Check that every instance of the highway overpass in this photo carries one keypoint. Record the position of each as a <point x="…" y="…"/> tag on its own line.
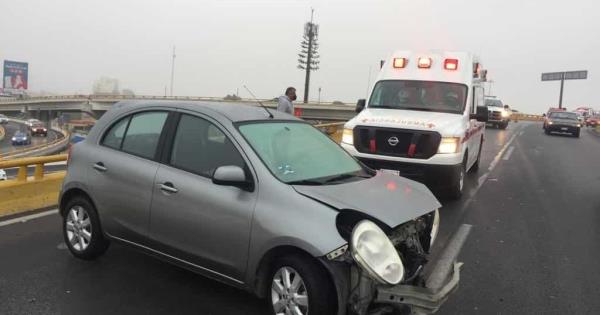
<point x="49" y="107"/>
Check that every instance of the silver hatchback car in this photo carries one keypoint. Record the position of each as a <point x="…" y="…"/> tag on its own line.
<point x="261" y="201"/>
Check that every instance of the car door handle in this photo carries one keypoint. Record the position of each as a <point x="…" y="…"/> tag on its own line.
<point x="100" y="167"/>
<point x="168" y="187"/>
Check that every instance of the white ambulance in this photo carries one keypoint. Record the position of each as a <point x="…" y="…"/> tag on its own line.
<point x="424" y="119"/>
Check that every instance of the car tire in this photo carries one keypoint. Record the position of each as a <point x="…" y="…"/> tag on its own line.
<point x="82" y="231"/>
<point x="475" y="166"/>
<point x="456" y="189"/>
<point x="314" y="287"/>
<point x="546" y="131"/>
<point x="576" y="134"/>
<point x="504" y="125"/>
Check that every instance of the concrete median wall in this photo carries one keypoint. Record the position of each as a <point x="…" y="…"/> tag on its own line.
<point x="18" y="196"/>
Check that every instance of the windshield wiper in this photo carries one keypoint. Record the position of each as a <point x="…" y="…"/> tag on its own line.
<point x="311" y="182"/>
<point x="418" y="108"/>
<point x="343" y="177"/>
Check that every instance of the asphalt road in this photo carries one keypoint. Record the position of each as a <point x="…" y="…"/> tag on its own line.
<point x="533" y="206"/>
<point x="12" y="127"/>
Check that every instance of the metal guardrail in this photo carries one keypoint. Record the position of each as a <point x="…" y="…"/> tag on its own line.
<point x="38" y="162"/>
<point x="526" y="117"/>
<point x="24" y="192"/>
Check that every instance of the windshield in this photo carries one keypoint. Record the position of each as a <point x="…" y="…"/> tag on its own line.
<point x="296" y="152"/>
<point x="493" y="102"/>
<point x="563" y="115"/>
<point x="419" y="95"/>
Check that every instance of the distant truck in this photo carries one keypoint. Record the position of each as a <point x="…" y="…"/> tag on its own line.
<point x="498" y="113"/>
<point x="424" y="119"/>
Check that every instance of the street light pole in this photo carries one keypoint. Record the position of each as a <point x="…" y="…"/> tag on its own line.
<point x="172" y="70"/>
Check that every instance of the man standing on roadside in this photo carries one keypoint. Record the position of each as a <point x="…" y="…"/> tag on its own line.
<point x="284" y="103"/>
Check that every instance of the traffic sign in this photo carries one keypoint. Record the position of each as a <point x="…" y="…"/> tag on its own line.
<point x="576" y="75"/>
<point x="562" y="76"/>
<point x="569" y="75"/>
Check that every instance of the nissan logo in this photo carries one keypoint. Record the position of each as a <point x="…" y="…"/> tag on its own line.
<point x="393" y="141"/>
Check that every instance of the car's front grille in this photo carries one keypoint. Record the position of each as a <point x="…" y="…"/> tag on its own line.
<point x="494" y="115"/>
<point x="416" y="144"/>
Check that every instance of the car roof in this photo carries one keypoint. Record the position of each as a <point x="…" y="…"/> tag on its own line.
<point x="234" y="111"/>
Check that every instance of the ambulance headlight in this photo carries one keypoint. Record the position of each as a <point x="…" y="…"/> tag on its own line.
<point x="373" y="252"/>
<point x="348" y="136"/>
<point x="449" y="145"/>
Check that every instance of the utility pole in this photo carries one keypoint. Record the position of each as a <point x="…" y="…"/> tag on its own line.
<point x="562" y="85"/>
<point x="172" y="70"/>
<point x="308" y="57"/>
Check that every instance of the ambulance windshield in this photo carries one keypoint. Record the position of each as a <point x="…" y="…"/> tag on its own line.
<point x="419" y="95"/>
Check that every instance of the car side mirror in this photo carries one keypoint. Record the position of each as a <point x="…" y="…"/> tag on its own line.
<point x="481" y="115"/>
<point x="231" y="175"/>
<point x="360" y="105"/>
<point x="506" y="107"/>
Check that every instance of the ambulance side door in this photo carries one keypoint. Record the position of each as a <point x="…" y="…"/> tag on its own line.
<point x="476" y="129"/>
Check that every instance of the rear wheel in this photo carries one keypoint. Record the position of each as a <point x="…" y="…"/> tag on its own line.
<point x="300" y="286"/>
<point x="81" y="229"/>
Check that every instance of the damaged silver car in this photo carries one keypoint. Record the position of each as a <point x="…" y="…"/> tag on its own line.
<point x="259" y="200"/>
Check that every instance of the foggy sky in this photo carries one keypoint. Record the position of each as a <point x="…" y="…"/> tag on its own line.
<point x="222" y="45"/>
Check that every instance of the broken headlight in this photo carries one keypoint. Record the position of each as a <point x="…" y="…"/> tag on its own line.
<point x="375" y="253"/>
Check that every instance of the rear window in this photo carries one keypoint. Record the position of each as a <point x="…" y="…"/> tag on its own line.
<point x="563" y="115"/>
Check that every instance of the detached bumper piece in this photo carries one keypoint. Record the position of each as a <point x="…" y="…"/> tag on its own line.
<point x="420" y="300"/>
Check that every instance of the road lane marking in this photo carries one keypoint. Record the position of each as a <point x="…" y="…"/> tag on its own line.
<point x="499" y="155"/>
<point x="26" y="218"/>
<point x="508" y="153"/>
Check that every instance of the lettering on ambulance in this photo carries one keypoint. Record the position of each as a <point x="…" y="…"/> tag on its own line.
<point x="471" y="132"/>
<point x="417" y="123"/>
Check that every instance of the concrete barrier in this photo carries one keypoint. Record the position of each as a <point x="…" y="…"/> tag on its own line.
<point x="30" y="192"/>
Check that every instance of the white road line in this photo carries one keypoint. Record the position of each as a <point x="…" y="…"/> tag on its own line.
<point x="499" y="155"/>
<point x="508" y="153"/>
<point x="28" y="217"/>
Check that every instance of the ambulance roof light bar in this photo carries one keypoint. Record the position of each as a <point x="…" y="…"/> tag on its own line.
<point x="400" y="62"/>
<point x="424" y="63"/>
<point x="451" y="64"/>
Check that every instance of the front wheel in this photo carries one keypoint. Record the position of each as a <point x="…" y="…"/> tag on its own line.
<point x="82" y="231"/>
<point x="576" y="134"/>
<point x="300" y="286"/>
<point x="457" y="187"/>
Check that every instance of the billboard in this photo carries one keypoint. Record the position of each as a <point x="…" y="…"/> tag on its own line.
<point x="15" y="75"/>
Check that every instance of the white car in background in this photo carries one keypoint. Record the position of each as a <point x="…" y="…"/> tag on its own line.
<point x="3" y="119"/>
<point x="3" y="174"/>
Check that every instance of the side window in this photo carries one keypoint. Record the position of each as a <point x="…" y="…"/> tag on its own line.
<point x="143" y="133"/>
<point x="200" y="147"/>
<point x="114" y="137"/>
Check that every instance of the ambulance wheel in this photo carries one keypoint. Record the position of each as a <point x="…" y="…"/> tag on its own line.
<point x="475" y="166"/>
<point x="457" y="187"/>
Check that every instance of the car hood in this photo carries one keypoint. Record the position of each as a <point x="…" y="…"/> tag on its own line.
<point x="408" y="119"/>
<point x="388" y="198"/>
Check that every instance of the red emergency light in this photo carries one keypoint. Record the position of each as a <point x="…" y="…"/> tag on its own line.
<point x="424" y="63"/>
<point x="451" y="64"/>
<point x="400" y="62"/>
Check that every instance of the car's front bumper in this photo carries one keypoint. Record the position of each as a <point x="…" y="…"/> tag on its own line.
<point x="432" y="175"/>
<point x="420" y="300"/>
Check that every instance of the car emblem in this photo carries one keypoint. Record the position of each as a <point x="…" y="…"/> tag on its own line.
<point x="393" y="141"/>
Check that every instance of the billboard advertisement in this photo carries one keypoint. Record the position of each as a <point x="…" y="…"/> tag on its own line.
<point x="15" y="75"/>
